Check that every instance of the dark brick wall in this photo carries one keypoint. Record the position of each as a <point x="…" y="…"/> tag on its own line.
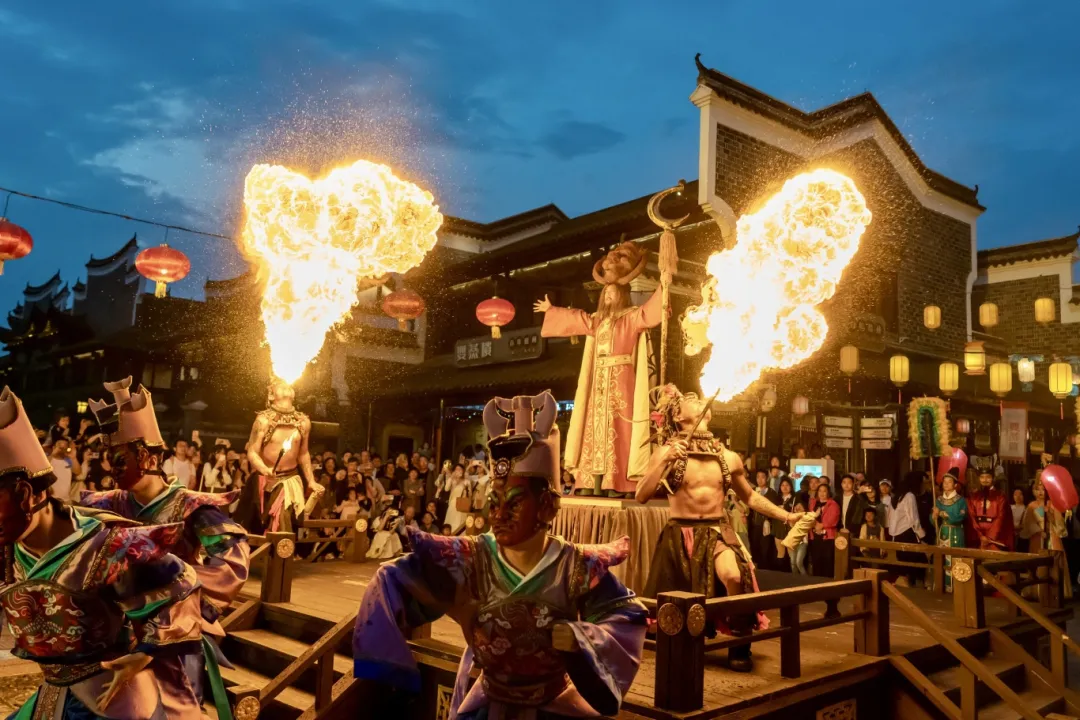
<point x="1016" y="316"/>
<point x="909" y="257"/>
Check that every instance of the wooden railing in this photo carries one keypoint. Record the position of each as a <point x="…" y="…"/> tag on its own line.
<point x="352" y="534"/>
<point x="973" y="668"/>
<point x="681" y="619"/>
<point x="1018" y="569"/>
<point x="1059" y="640"/>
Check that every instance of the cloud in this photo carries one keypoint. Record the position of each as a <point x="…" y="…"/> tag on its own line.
<point x="574" y="138"/>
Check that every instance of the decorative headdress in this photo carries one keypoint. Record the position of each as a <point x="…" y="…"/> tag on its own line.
<point x="129" y="417"/>
<point x="20" y="450"/>
<point x="523" y="438"/>
<point x="627" y="271"/>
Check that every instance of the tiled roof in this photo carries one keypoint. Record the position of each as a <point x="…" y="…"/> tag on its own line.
<point x="37" y="289"/>
<point x="1028" y="252"/>
<point x="101" y="262"/>
<point x="504" y="226"/>
<point x="829" y="120"/>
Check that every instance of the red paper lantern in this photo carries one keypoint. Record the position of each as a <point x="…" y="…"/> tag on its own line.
<point x="163" y="265"/>
<point x="403" y="305"/>
<point x="1060" y="489"/>
<point x="15" y="242"/>
<point x="495" y="313"/>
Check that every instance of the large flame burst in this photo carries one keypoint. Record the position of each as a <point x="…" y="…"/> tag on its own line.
<point x="315" y="241"/>
<point x="758" y="305"/>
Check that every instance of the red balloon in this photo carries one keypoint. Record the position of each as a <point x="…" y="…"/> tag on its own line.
<point x="955" y="458"/>
<point x="1059" y="487"/>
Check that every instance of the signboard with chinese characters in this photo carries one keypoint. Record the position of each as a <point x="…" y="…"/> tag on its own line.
<point x="877" y="444"/>
<point x="876" y="433"/>
<point x="837" y="432"/>
<point x="837" y="421"/>
<point x="846" y="443"/>
<point x="514" y="345"/>
<point x="880" y="422"/>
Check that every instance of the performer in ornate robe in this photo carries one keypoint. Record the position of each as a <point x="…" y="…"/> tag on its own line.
<point x="698" y="550"/>
<point x="607" y="446"/>
<point x="278" y="451"/>
<point x="553" y="633"/>
<point x="212" y="543"/>
<point x="989" y="524"/>
<point x="950" y="513"/>
<point x="93" y="598"/>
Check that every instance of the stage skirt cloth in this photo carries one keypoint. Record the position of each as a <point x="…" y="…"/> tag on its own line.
<point x="579" y="522"/>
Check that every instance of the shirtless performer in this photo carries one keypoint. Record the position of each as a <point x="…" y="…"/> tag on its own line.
<point x="278" y="452"/>
<point x="698" y="551"/>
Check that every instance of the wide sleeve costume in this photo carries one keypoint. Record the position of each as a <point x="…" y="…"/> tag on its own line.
<point x="110" y="589"/>
<point x="507" y="621"/>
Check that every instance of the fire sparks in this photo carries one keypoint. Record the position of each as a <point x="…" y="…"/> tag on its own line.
<point x="316" y="240"/>
<point x="759" y="304"/>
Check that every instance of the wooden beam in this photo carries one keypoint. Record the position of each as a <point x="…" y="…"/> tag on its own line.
<point x="243" y="617"/>
<point x="786" y="597"/>
<point x="326" y="645"/>
<point x="790" y="660"/>
<point x="680" y="656"/>
<point x="872" y="634"/>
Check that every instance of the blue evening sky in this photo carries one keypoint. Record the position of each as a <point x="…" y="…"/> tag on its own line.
<point x="159" y="109"/>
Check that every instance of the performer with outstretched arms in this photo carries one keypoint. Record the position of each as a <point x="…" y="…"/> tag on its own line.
<point x="278" y="452"/>
<point x="553" y="632"/>
<point x="607" y="447"/>
<point x="212" y="543"/>
<point x="95" y="599"/>
<point x="698" y="551"/>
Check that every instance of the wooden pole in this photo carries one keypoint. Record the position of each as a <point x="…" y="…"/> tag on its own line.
<point x="680" y="656"/>
<point x="439" y="433"/>
<point x="668" y="260"/>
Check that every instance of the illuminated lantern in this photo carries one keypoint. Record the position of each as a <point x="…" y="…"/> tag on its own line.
<point x="948" y="378"/>
<point x="963" y="426"/>
<point x="1025" y="370"/>
<point x="1061" y="380"/>
<point x="768" y="400"/>
<point x="849" y="359"/>
<point x="849" y="362"/>
<point x="163" y="265"/>
<point x="931" y="317"/>
<point x="800" y="406"/>
<point x="988" y="315"/>
<point x="1044" y="310"/>
<point x="899" y="370"/>
<point x="1001" y="379"/>
<point x="495" y="312"/>
<point x="403" y="305"/>
<point x="15" y="242"/>
<point x="974" y="358"/>
<point x="1060" y="489"/>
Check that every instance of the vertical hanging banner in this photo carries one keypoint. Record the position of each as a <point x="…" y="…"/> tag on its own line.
<point x="1014" y="429"/>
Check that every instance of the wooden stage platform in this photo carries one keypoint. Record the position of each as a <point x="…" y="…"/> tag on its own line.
<point x="334" y="589"/>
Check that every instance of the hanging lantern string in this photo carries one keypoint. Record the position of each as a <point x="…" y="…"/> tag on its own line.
<point x="7" y="201"/>
<point x="98" y="211"/>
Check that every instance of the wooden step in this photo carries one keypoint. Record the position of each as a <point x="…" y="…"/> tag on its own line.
<point x="286" y="648"/>
<point x="949" y="680"/>
<point x="1040" y="701"/>
<point x="291" y="697"/>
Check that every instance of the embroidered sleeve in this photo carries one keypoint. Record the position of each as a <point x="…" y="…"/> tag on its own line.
<point x="105" y="500"/>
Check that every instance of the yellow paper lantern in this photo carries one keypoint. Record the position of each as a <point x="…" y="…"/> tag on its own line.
<point x="1044" y="310"/>
<point x="800" y="406"/>
<point x="988" y="315"/>
<point x="963" y="426"/>
<point x="931" y="317"/>
<point x="1025" y="370"/>
<point x="899" y="370"/>
<point x="1061" y="381"/>
<point x="1001" y="379"/>
<point x="948" y="378"/>
<point x="974" y="358"/>
<point x="849" y="359"/>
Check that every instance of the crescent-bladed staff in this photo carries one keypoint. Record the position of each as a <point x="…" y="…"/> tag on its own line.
<point x="668" y="262"/>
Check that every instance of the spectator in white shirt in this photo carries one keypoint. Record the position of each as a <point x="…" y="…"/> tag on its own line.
<point x="904" y="525"/>
<point x="215" y="478"/>
<point x="65" y="466"/>
<point x="179" y="466"/>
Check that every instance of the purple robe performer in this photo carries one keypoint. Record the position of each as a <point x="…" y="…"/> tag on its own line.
<point x="553" y="633"/>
